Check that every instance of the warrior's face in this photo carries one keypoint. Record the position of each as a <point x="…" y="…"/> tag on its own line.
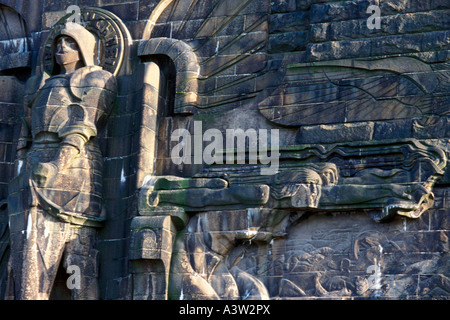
<point x="67" y="51"/>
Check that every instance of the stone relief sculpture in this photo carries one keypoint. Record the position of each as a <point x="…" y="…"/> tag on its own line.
<point x="55" y="203"/>
<point x="224" y="231"/>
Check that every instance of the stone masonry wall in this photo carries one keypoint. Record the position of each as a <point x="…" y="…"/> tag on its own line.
<point x="258" y="61"/>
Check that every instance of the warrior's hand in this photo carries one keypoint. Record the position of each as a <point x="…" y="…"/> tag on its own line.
<point x="43" y="172"/>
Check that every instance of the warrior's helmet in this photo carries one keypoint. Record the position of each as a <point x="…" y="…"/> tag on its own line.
<point x="85" y="40"/>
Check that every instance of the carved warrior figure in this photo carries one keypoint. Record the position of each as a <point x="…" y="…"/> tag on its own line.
<point x="55" y="202"/>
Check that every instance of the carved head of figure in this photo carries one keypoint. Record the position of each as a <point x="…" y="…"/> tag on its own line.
<point x="74" y="47"/>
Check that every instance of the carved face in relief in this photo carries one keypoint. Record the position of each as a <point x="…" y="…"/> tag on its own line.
<point x="67" y="51"/>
